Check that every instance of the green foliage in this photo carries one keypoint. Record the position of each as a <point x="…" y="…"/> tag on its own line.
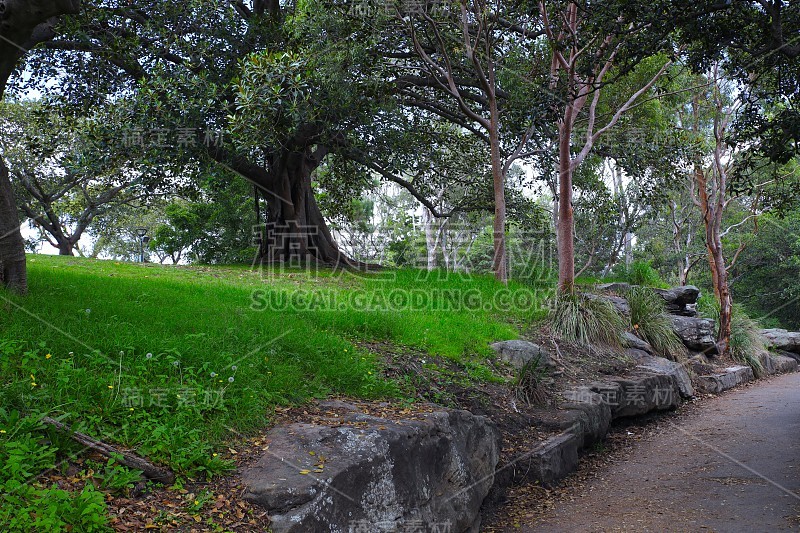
<point x="25" y="503"/>
<point x="651" y="322"/>
<point x="585" y="319"/>
<point x="642" y="273"/>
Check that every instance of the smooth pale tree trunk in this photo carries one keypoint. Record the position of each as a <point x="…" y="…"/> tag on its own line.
<point x="566" y="219"/>
<point x="500" y="263"/>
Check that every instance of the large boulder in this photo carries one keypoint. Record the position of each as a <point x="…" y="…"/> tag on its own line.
<point x="678" y="372"/>
<point x="518" y="353"/>
<point x="780" y="339"/>
<point x="620" y="304"/>
<point x="434" y="469"/>
<point x="680" y="300"/>
<point x="643" y="392"/>
<point x="697" y="334"/>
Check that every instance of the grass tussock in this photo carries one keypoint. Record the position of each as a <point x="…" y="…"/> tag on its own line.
<point x="652" y="323"/>
<point x="586" y="320"/>
<point x="746" y="343"/>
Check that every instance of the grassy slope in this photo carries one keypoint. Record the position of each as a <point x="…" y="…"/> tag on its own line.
<point x="78" y="344"/>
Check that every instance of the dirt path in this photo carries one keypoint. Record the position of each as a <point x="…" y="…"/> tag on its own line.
<point x="733" y="464"/>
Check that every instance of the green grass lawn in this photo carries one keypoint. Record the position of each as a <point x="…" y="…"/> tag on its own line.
<point x="172" y="361"/>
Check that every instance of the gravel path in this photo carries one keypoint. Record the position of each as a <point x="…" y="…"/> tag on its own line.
<point x="733" y="464"/>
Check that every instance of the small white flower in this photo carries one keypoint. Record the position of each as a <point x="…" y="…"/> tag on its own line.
<point x="149" y="355"/>
<point x="213" y="374"/>
<point x="230" y="379"/>
<point x="234" y="367"/>
<point x="121" y="353"/>
<point x="175" y="363"/>
<point x="88" y="311"/>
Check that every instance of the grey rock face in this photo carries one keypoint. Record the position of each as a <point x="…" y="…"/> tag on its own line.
<point x="777" y="364"/>
<point x="680" y="300"/>
<point x="642" y="393"/>
<point x="437" y="470"/>
<point x="660" y="365"/>
<point x="518" y="353"/>
<point x="634" y="342"/>
<point x="620" y="304"/>
<point x="616" y="287"/>
<point x="780" y="339"/>
<point x="697" y="334"/>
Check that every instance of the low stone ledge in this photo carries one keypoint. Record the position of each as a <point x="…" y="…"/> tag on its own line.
<point x="722" y="381"/>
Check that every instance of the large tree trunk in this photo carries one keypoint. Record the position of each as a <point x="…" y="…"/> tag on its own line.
<point x="23" y="24"/>
<point x="12" y="248"/>
<point x="296" y="231"/>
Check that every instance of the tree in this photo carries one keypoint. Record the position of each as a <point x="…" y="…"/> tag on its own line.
<point x="585" y="55"/>
<point x="23" y="25"/>
<point x="66" y="170"/>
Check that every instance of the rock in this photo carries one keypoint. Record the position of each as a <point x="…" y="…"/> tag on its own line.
<point x="721" y="381"/>
<point x="620" y="304"/>
<point x="437" y="470"/>
<point x="697" y="334"/>
<point x="554" y="459"/>
<point x="632" y="341"/>
<point x="616" y="287"/>
<point x="777" y="364"/>
<point x="518" y="353"/>
<point x="591" y="414"/>
<point x="680" y="300"/>
<point x="645" y="392"/>
<point x="636" y="355"/>
<point x="784" y="364"/>
<point x="660" y="365"/>
<point x="791" y="355"/>
<point x="780" y="339"/>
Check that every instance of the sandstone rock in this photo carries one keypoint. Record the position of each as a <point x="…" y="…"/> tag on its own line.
<point x="680" y="300"/>
<point x="697" y="334"/>
<point x="777" y="364"/>
<point x="591" y="414"/>
<point x="437" y="470"/>
<point x="660" y="365"/>
<point x="721" y="381"/>
<point x="616" y="287"/>
<point x="554" y="459"/>
<point x="518" y="353"/>
<point x="632" y="341"/>
<point x="790" y="355"/>
<point x="620" y="304"/>
<point x="780" y="339"/>
<point x="645" y="392"/>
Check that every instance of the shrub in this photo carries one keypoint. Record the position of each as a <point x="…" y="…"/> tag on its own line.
<point x="586" y="319"/>
<point x="652" y="323"/>
<point x="642" y="273"/>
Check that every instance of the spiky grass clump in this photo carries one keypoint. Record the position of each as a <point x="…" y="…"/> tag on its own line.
<point x="746" y="342"/>
<point x="529" y="387"/>
<point x="651" y="322"/>
<point x="586" y="319"/>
